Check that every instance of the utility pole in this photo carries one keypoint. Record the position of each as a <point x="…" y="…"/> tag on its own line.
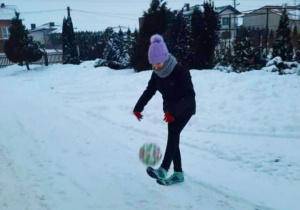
<point x="234" y="4"/>
<point x="230" y="32"/>
<point x="267" y="30"/>
<point x="68" y="8"/>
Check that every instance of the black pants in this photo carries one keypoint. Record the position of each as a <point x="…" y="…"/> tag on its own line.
<point x="172" y="151"/>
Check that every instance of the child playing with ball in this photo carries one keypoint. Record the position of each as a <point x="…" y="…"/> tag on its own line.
<point x="174" y="82"/>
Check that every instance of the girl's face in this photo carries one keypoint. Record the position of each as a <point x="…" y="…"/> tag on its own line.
<point x="158" y="65"/>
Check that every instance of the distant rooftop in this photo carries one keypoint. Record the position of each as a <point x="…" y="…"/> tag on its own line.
<point x="221" y="9"/>
<point x="7" y="12"/>
<point x="51" y="26"/>
<point x="293" y="11"/>
<point x="187" y="10"/>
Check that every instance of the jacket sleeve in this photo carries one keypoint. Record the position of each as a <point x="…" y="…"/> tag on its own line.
<point x="188" y="100"/>
<point x="146" y="96"/>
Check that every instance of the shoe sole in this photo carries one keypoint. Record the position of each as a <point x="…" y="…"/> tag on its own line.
<point x="162" y="182"/>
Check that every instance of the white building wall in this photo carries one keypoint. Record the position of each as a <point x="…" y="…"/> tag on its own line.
<point x="38" y="36"/>
<point x="232" y="24"/>
<point x="259" y="19"/>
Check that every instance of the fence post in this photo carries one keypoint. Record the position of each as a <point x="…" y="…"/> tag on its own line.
<point x="46" y="58"/>
<point x="267" y="31"/>
<point x="230" y="32"/>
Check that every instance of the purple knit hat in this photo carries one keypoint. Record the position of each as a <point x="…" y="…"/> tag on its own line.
<point x="158" y="51"/>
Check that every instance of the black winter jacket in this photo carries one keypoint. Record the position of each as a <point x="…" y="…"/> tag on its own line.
<point x="177" y="91"/>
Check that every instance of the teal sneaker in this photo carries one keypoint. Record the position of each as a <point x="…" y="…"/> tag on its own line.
<point x="177" y="177"/>
<point x="159" y="173"/>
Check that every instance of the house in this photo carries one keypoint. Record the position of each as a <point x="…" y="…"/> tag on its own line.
<point x="268" y="17"/>
<point x="229" y="21"/>
<point x="7" y="12"/>
<point x="228" y="16"/>
<point x="48" y="34"/>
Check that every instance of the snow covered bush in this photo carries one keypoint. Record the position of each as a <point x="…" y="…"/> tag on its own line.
<point x="226" y="69"/>
<point x="274" y="61"/>
<point x="278" y="65"/>
<point x="116" y="65"/>
<point x="271" y="66"/>
<point x="111" y="64"/>
<point x="298" y="72"/>
<point x="100" y="62"/>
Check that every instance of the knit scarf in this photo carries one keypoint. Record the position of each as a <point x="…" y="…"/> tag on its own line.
<point x="167" y="68"/>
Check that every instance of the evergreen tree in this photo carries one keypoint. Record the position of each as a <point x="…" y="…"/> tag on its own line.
<point x="205" y="27"/>
<point x="223" y="55"/>
<point x="128" y="45"/>
<point x="211" y="34"/>
<point x="197" y="39"/>
<point x="242" y="51"/>
<point x="128" y="39"/>
<point x="155" y="21"/>
<point x="124" y="42"/>
<point x="115" y="46"/>
<point x="115" y="51"/>
<point x="271" y="38"/>
<point x="283" y="46"/>
<point x="177" y="38"/>
<point x="117" y="54"/>
<point x="14" y="45"/>
<point x="133" y="49"/>
<point x="70" y="53"/>
<point x="33" y="51"/>
<point x="295" y="37"/>
<point x="99" y="46"/>
<point x="86" y="42"/>
<point x="20" y="48"/>
<point x="109" y="35"/>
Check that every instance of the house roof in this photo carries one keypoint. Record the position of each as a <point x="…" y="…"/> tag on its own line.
<point x="7" y="12"/>
<point x="218" y="9"/>
<point x="56" y="31"/>
<point x="292" y="10"/>
<point x="52" y="28"/>
<point x="223" y="8"/>
<point x="191" y="10"/>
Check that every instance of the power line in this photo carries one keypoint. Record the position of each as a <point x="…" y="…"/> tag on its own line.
<point x="101" y="14"/>
<point x="108" y="13"/>
<point x="121" y="15"/>
<point x="86" y="15"/>
<point x="89" y="18"/>
<point x="44" y="11"/>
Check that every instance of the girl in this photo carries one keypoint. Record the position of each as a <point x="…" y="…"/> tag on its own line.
<point x="174" y="82"/>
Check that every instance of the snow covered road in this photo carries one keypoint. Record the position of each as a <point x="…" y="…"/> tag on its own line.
<point x="68" y="140"/>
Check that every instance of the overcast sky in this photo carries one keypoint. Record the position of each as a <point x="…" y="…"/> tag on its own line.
<point x="95" y="15"/>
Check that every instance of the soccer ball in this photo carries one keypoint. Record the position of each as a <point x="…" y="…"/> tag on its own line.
<point x="150" y="154"/>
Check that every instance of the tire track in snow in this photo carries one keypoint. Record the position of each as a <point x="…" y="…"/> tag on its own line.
<point x="206" y="195"/>
<point x="14" y="194"/>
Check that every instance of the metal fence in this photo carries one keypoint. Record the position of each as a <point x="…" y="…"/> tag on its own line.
<point x="55" y="57"/>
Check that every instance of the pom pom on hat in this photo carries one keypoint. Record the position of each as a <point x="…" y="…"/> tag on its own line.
<point x="158" y="51"/>
<point x="156" y="39"/>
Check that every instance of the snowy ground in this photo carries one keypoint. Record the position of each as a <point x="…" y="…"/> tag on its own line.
<point x="68" y="140"/>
